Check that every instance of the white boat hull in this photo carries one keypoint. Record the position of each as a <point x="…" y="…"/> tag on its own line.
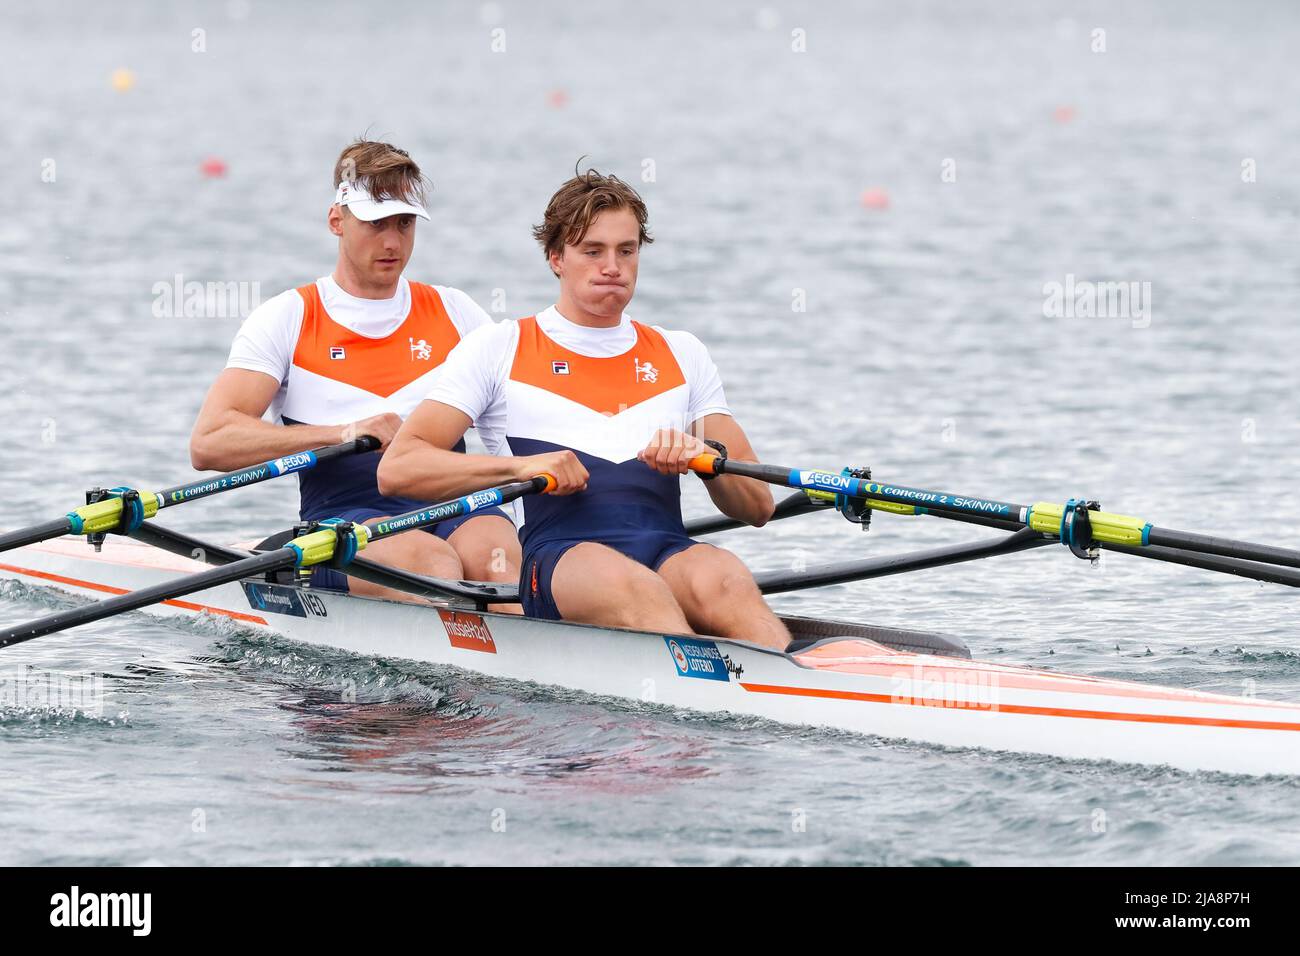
<point x="852" y="683"/>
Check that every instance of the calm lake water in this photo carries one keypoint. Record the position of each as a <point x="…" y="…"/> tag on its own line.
<point x="866" y="212"/>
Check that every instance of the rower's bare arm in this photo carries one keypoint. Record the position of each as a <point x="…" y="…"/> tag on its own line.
<point x="670" y="452"/>
<point x="744" y="499"/>
<point x="420" y="462"/>
<point x="230" y="433"/>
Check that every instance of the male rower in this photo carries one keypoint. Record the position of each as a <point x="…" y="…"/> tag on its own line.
<point x="614" y="410"/>
<point x="352" y="354"/>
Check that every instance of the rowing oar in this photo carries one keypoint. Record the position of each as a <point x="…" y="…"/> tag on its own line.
<point x="798" y="503"/>
<point x="1078" y="523"/>
<point x="125" y="509"/>
<point x="335" y="543"/>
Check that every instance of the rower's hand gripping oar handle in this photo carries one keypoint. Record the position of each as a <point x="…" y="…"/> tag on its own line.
<point x="707" y="464"/>
<point x="711" y="464"/>
<point x="360" y="445"/>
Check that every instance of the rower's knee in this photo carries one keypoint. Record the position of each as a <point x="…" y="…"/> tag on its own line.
<point x="490" y="554"/>
<point x="496" y="566"/>
<point x="445" y="566"/>
<point x="724" y="582"/>
<point x="421" y="553"/>
<point x="439" y="559"/>
<point x="489" y="564"/>
<point x="736" y="585"/>
<point x="649" y="604"/>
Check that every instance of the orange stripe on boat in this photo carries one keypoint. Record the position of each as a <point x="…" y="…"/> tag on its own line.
<point x="109" y="589"/>
<point x="947" y="704"/>
<point x="869" y="659"/>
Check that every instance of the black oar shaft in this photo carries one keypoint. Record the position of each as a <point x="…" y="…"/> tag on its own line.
<point x="40" y="532"/>
<point x="1210" y="562"/>
<point x="190" y="491"/>
<point x="313" y="548"/>
<point x="942" y="502"/>
<point x="455" y="508"/>
<point x="775" y="582"/>
<point x="264" y="471"/>
<point x="186" y="546"/>
<point x="1100" y="528"/>
<point x="134" y="600"/>
<point x="796" y="504"/>
<point x="1227" y="547"/>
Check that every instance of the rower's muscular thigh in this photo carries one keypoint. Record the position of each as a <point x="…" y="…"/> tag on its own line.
<point x="719" y="596"/>
<point x="488" y="547"/>
<point x="413" y="551"/>
<point x="594" y="584"/>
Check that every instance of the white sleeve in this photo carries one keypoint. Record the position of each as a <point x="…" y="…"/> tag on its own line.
<point x="706" y="396"/>
<point x="466" y="314"/>
<point x="472" y="376"/>
<point x="266" y="341"/>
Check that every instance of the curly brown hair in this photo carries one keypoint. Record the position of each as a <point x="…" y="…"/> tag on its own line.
<point x="385" y="171"/>
<point x="575" y="204"/>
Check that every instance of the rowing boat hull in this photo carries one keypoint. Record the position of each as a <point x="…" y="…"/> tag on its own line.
<point x="852" y="683"/>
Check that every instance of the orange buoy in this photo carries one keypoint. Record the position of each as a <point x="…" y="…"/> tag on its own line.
<point x="122" y="79"/>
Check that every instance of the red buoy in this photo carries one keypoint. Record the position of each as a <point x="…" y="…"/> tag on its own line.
<point x="875" y="198"/>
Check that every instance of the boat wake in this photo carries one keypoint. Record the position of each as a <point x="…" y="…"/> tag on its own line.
<point x="434" y="727"/>
<point x="42" y="718"/>
<point x="43" y="596"/>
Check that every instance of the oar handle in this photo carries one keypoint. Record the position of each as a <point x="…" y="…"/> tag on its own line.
<point x="707" y="464"/>
<point x="710" y="464"/>
<point x="358" y="446"/>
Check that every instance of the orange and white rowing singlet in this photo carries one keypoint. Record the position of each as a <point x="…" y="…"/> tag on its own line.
<point x="339" y="374"/>
<point x="544" y="384"/>
<point x="340" y="359"/>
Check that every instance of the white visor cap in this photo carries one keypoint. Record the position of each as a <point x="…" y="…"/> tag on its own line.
<point x="358" y="200"/>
